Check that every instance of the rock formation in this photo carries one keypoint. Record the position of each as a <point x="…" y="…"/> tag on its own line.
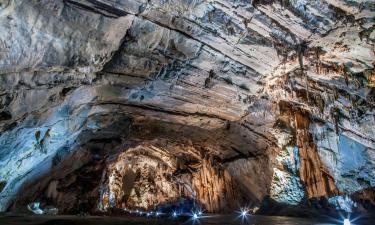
<point x="139" y="104"/>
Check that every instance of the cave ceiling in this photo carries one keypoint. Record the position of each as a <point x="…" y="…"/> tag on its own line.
<point x="247" y="98"/>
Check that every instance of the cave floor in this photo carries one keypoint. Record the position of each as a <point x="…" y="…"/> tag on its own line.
<point x="127" y="220"/>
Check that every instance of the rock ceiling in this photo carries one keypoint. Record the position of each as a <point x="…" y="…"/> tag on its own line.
<point x="127" y="103"/>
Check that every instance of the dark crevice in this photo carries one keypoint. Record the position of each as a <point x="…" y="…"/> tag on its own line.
<point x="240" y="155"/>
<point x="2" y="185"/>
<point x="98" y="7"/>
<point x="157" y="109"/>
<point x="5" y="115"/>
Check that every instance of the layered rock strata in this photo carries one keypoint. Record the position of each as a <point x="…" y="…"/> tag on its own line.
<point x="135" y="104"/>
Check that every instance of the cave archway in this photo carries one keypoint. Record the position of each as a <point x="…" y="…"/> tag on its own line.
<point x="153" y="164"/>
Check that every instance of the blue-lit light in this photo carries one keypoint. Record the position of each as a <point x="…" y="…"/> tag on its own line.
<point x="243" y="214"/>
<point x="347" y="222"/>
<point x="174" y="214"/>
<point x="195" y="217"/>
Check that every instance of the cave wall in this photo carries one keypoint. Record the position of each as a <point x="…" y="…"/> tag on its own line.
<point x="222" y="102"/>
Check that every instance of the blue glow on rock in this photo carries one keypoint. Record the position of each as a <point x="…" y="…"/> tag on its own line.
<point x="348" y="158"/>
<point x="351" y="153"/>
<point x="35" y="208"/>
<point x="297" y="163"/>
<point x="344" y="203"/>
<point x="286" y="188"/>
<point x="34" y="145"/>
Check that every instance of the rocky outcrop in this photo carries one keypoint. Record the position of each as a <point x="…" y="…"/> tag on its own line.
<point x="137" y="104"/>
<point x="154" y="179"/>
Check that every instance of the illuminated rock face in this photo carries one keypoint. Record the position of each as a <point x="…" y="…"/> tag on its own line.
<point x="147" y="176"/>
<point x="138" y="104"/>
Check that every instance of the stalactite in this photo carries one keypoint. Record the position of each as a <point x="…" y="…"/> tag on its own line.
<point x="315" y="178"/>
<point x="301" y="48"/>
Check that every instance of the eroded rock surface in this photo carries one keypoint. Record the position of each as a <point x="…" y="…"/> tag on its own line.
<point x="137" y="104"/>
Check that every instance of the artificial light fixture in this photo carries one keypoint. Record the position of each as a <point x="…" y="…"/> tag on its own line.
<point x="244" y="213"/>
<point x="347" y="222"/>
<point x="195" y="218"/>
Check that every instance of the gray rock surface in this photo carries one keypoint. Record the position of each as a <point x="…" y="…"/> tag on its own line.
<point x="224" y="102"/>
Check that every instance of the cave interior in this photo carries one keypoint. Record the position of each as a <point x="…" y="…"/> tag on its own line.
<point x="114" y="107"/>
